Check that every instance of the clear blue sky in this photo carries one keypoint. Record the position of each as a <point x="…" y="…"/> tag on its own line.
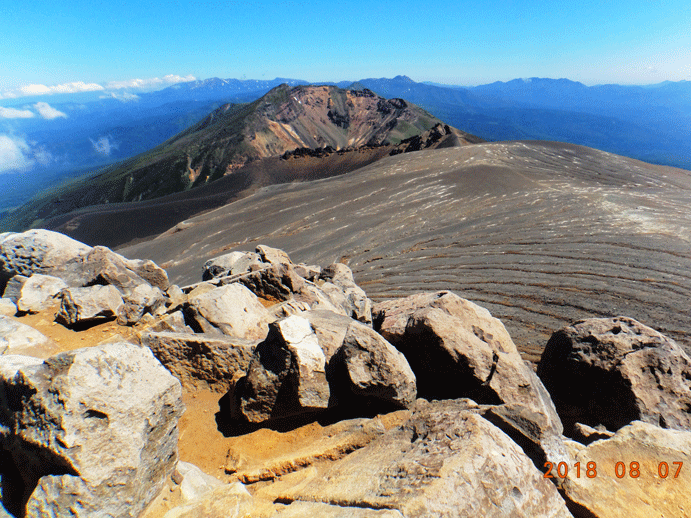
<point x="593" y="41"/>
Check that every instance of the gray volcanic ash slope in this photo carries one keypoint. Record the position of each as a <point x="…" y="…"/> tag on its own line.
<point x="539" y="233"/>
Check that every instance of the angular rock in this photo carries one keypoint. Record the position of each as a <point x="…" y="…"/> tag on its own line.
<point x="36" y="251"/>
<point x="443" y="461"/>
<point x="289" y="307"/>
<point x="612" y="371"/>
<point x="232" y="309"/>
<point x="91" y="304"/>
<point x="92" y="429"/>
<point x="201" y="361"/>
<point x="661" y="487"/>
<point x="150" y="272"/>
<point x="38" y="292"/>
<point x="277" y="282"/>
<point x="308" y="272"/>
<point x="286" y="375"/>
<point x="338" y="274"/>
<point x="7" y="307"/>
<point x="357" y="305"/>
<point x="273" y="255"/>
<point x="318" y="300"/>
<point x="330" y="329"/>
<point x="195" y="483"/>
<point x="13" y="289"/>
<point x="233" y="263"/>
<point x="18" y="338"/>
<point x="143" y="299"/>
<point x="372" y="369"/>
<point x="102" y="266"/>
<point x="586" y="434"/>
<point x="173" y="323"/>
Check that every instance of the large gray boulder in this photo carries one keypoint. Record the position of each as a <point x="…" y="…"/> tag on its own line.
<point x="18" y="338"/>
<point x="39" y="292"/>
<point x="91" y="431"/>
<point x="232" y="310"/>
<point x="445" y="460"/>
<point x="369" y="368"/>
<point x="199" y="360"/>
<point x="88" y="305"/>
<point x="612" y="371"/>
<point x="103" y="266"/>
<point x="457" y="349"/>
<point x="287" y="374"/>
<point x="141" y="300"/>
<point x="36" y="251"/>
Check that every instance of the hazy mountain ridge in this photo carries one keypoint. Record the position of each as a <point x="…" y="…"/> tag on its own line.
<point x="235" y="135"/>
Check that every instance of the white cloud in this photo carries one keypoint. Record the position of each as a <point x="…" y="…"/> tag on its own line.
<point x="151" y="82"/>
<point x="48" y="112"/>
<point x="81" y="86"/>
<point x="14" y="154"/>
<point x="124" y="96"/>
<point x="104" y="145"/>
<point x="13" y="113"/>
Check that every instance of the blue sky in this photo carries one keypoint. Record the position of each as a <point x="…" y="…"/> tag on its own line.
<point x="53" y="44"/>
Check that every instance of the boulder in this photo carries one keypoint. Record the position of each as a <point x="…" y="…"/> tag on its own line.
<point x="150" y="272"/>
<point x="201" y="361"/>
<point x="233" y="263"/>
<point x="641" y="471"/>
<point x="13" y="289"/>
<point x="36" y="251"/>
<point x="356" y="304"/>
<point x="308" y="272"/>
<point x="457" y="349"/>
<point x="103" y="266"/>
<point x="195" y="483"/>
<point x="368" y="368"/>
<point x="287" y="374"/>
<point x="7" y="307"/>
<point x="142" y="299"/>
<point x="93" y="430"/>
<point x="18" y="338"/>
<point x="287" y="308"/>
<point x="443" y="461"/>
<point x="232" y="309"/>
<point x="39" y="292"/>
<point x="273" y="255"/>
<point x="276" y="282"/>
<point x="88" y="305"/>
<point x="173" y="322"/>
<point x="330" y="329"/>
<point x="612" y="371"/>
<point x="317" y="299"/>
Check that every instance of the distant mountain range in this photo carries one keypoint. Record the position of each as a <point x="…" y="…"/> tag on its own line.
<point x="651" y="123"/>
<point x="287" y="124"/>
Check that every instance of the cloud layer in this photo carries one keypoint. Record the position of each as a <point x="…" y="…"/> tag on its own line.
<point x="80" y="86"/>
<point x="15" y="154"/>
<point x="46" y="111"/>
<point x="13" y="113"/>
<point x="104" y="145"/>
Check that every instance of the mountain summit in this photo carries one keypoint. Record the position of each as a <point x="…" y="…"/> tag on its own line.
<point x="289" y="134"/>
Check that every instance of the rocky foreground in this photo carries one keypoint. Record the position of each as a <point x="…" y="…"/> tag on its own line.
<point x="417" y="406"/>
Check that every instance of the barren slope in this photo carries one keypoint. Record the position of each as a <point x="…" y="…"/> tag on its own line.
<point x="539" y="233"/>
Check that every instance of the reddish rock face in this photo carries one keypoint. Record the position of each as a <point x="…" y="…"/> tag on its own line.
<point x="612" y="371"/>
